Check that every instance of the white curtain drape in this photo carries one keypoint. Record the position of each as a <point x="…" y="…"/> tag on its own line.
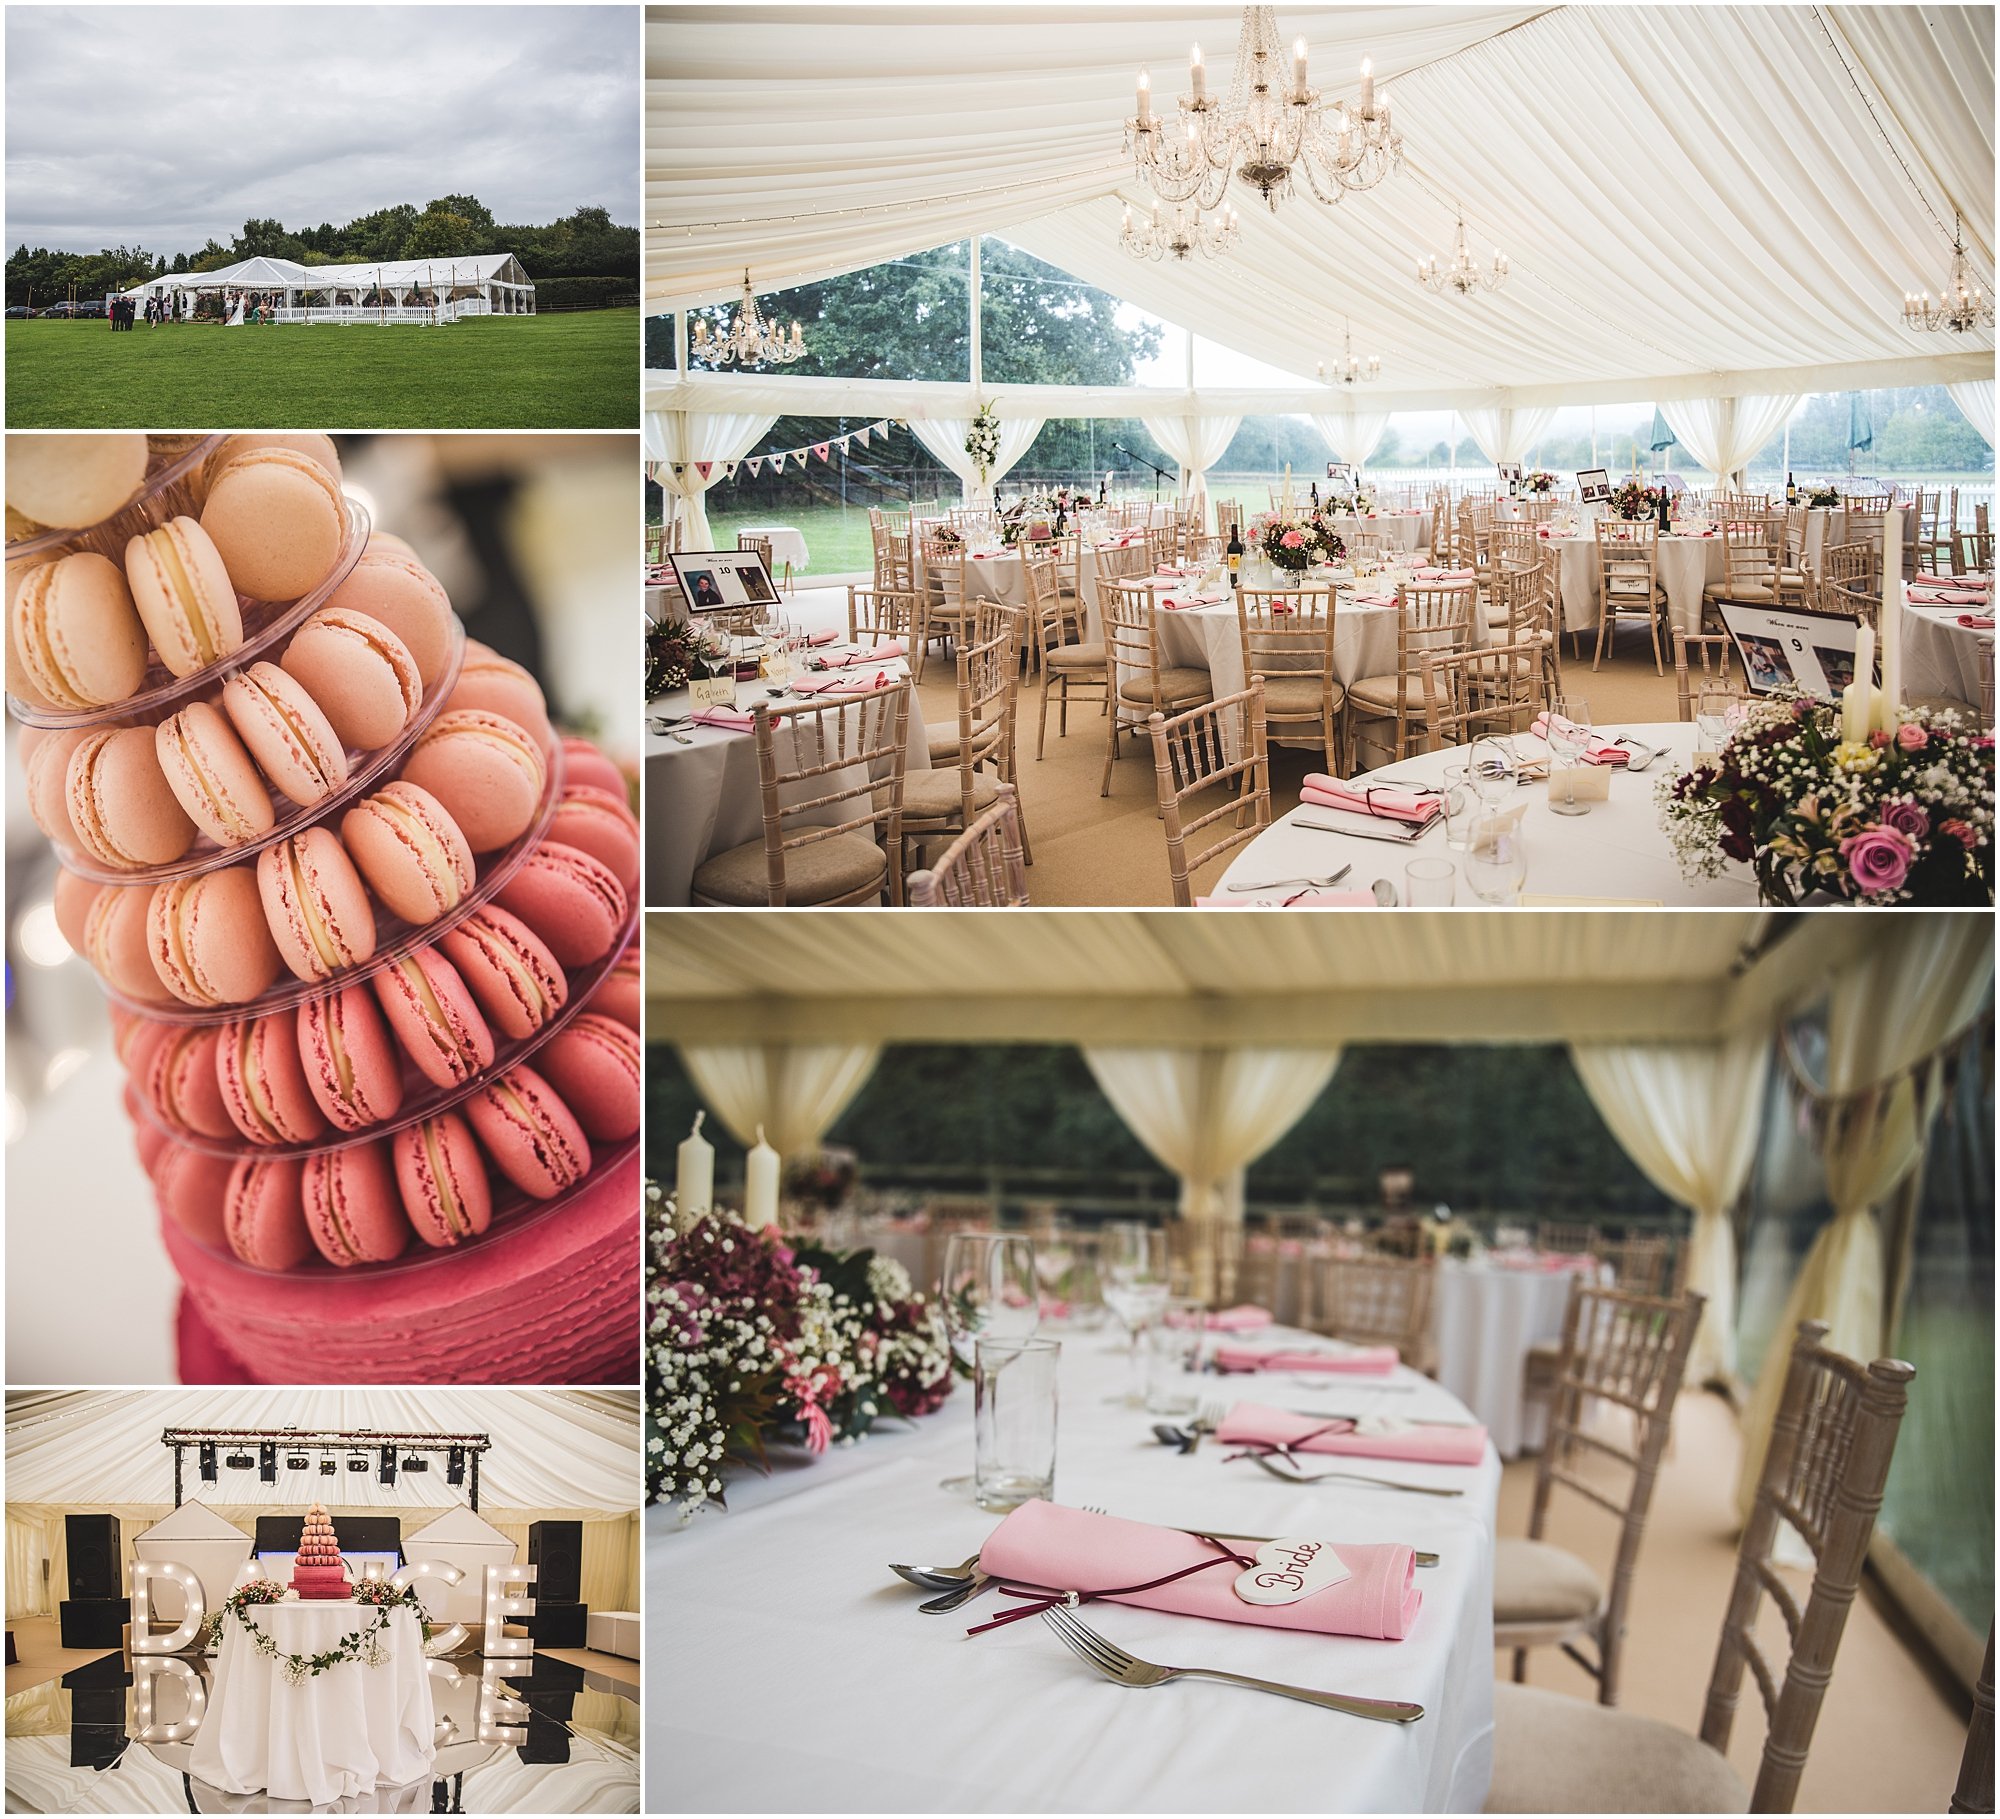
<point x="1725" y="434"/>
<point x="1196" y="443"/>
<point x="1975" y="403"/>
<point x="945" y="437"/>
<point x="1352" y="435"/>
<point x="795" y="1091"/>
<point x="680" y="443"/>
<point x="1688" y="1114"/>
<point x="1207" y="1114"/>
<point x="1902" y="1002"/>
<point x="1507" y="435"/>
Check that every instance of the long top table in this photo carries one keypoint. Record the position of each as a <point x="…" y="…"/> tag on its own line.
<point x="798" y="1672"/>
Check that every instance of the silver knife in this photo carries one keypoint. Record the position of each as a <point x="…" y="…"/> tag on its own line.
<point x="1217" y="1534"/>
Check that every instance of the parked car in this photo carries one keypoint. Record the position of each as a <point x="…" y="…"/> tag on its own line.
<point x="17" y="311"/>
<point x="88" y="306"/>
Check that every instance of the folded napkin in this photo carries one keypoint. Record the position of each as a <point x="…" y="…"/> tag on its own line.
<point x="1253" y="1424"/>
<point x="1169" y="604"/>
<point x="1167" y="568"/>
<point x="1599" y="750"/>
<point x="844" y="685"/>
<point x="1243" y="1319"/>
<point x="1953" y="596"/>
<point x="1374" y="600"/>
<point x="850" y="659"/>
<point x="1390" y="804"/>
<point x="1355" y="1361"/>
<point x="1447" y="574"/>
<point x="1976" y="622"/>
<point x="1046" y="1547"/>
<point x="725" y="719"/>
<point x="829" y="636"/>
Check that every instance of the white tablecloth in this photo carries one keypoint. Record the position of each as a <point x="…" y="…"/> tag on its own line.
<point x="1686" y="566"/>
<point x="336" y="1736"/>
<point x="1484" y="1319"/>
<point x="1398" y="530"/>
<point x="1618" y="850"/>
<point x="885" y="1709"/>
<point x="788" y="544"/>
<point x="1940" y="656"/>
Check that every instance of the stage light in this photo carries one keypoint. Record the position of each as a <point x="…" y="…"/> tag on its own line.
<point x="327" y="1468"/>
<point x="239" y="1462"/>
<point x="454" y="1465"/>
<point x="208" y="1472"/>
<point x="385" y="1468"/>
<point x="357" y="1462"/>
<point x="267" y="1462"/>
<point x="297" y="1462"/>
<point x="415" y="1464"/>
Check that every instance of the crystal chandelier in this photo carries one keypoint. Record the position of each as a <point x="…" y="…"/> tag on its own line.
<point x="751" y="341"/>
<point x="1186" y="231"/>
<point x="1348" y="370"/>
<point x="1270" y="125"/>
<point x="1962" y="307"/>
<point x="1461" y="275"/>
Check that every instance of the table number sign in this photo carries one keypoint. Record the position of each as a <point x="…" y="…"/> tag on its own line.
<point x="712" y="691"/>
<point x="1288" y="1569"/>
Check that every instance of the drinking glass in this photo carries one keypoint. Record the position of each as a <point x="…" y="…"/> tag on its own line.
<point x="1069" y="1272"/>
<point x="1493" y="766"/>
<point x="1173" y="1356"/>
<point x="1459" y="805"/>
<point x="1496" y="864"/>
<point x="1432" y="883"/>
<point x="1014" y="1421"/>
<point x="987" y="1291"/>
<point x="1711" y="715"/>
<point x="1136" y="1285"/>
<point x="1569" y="739"/>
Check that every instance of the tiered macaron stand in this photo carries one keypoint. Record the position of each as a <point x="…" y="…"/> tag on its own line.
<point x="548" y="1292"/>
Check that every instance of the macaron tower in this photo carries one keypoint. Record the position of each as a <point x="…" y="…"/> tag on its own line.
<point x="316" y="1568"/>
<point x="365" y="919"/>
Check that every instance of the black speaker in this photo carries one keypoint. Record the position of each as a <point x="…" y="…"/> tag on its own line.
<point x="557" y="1548"/>
<point x="93" y="1556"/>
<point x="95" y="1622"/>
<point x="558" y="1625"/>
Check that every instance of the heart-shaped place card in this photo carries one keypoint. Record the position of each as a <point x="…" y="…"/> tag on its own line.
<point x="1289" y="1569"/>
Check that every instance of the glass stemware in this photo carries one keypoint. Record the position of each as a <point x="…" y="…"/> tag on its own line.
<point x="1137" y="1280"/>
<point x="1569" y="739"/>
<point x="1496" y="863"/>
<point x="986" y="1290"/>
<point x="1711" y="715"/>
<point x="1492" y="765"/>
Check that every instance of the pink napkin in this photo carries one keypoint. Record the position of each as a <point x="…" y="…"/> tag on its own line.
<point x="1374" y="600"/>
<point x="725" y="719"/>
<point x="1169" y="604"/>
<point x="1947" y="597"/>
<point x="844" y="685"/>
<point x="1599" y="751"/>
<point x="1167" y="568"/>
<point x="1255" y="1423"/>
<point x="1447" y="574"/>
<point x="1044" y="1545"/>
<point x="1243" y="1319"/>
<point x="1976" y="622"/>
<point x="828" y="636"/>
<point x="1363" y="1361"/>
<point x="1387" y="804"/>
<point x="851" y="659"/>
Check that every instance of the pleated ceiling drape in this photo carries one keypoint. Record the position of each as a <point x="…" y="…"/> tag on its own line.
<point x="1196" y="443"/>
<point x="794" y="1091"/>
<point x="1352" y="435"/>
<point x="680" y="444"/>
<point x="945" y="437"/>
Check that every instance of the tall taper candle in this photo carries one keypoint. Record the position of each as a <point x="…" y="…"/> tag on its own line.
<point x="694" y="1176"/>
<point x="1889" y="703"/>
<point x="1857" y="713"/>
<point x="760" y="1185"/>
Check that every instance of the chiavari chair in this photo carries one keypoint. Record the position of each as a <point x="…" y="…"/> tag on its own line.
<point x="1287" y="638"/>
<point x="1216" y="746"/>
<point x="879" y="615"/>
<point x="983" y="868"/>
<point x="1140" y="685"/>
<point x="948" y="797"/>
<point x="1490" y="689"/>
<point x="1377" y="1300"/>
<point x="1707" y="647"/>
<point x="1432" y="619"/>
<point x="1628" y="575"/>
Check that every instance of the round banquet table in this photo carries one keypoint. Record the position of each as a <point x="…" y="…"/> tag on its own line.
<point x="1398" y="530"/>
<point x="1485" y="1317"/>
<point x="788" y="544"/>
<point x="1942" y="657"/>
<point x="1686" y="566"/>
<point x="793" y="1576"/>
<point x="1617" y="852"/>
<point x="336" y="1736"/>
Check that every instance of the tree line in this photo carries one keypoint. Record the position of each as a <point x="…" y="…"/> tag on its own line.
<point x="584" y="243"/>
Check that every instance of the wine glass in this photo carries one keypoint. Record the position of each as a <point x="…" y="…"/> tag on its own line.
<point x="986" y="1290"/>
<point x="1569" y="739"/>
<point x="1492" y="766"/>
<point x="1711" y="714"/>
<point x="1496" y="863"/>
<point x="1137" y="1280"/>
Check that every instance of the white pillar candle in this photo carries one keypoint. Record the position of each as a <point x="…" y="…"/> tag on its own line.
<point x="760" y="1185"/>
<point x="1856" y="710"/>
<point x="1890" y="700"/>
<point x="694" y="1182"/>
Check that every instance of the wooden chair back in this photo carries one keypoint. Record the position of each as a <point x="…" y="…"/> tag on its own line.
<point x="1641" y="1263"/>
<point x="1493" y="688"/>
<point x="1625" y="1351"/>
<point x="1974" y="1792"/>
<point x="1846" y="581"/>
<point x="877" y="614"/>
<point x="1516" y="545"/>
<point x="1228" y="517"/>
<point x="1129" y="616"/>
<point x="1710" y="649"/>
<point x="1749" y="563"/>
<point x="1192" y="756"/>
<point x="1560" y="1238"/>
<point x="1285" y="637"/>
<point x="760" y="546"/>
<point x="982" y="868"/>
<point x="1628" y="561"/>
<point x="1831" y="1444"/>
<point x="989" y="674"/>
<point x="1377" y="1300"/>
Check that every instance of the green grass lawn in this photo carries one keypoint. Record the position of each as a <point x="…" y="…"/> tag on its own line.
<point x="578" y="370"/>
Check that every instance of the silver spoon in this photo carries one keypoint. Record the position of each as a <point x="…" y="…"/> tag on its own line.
<point x="1277" y="883"/>
<point x="1385" y="894"/>
<point x="938" y="1578"/>
<point x="963" y="1594"/>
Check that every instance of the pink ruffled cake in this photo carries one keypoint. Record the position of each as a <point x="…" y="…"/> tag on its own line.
<point x="317" y="1571"/>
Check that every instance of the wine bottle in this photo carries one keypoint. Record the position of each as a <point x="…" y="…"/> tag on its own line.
<point x="1235" y="555"/>
<point x="1666" y="501"/>
<point x="1791" y="491"/>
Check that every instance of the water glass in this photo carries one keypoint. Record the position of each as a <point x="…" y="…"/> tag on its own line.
<point x="1014" y="1421"/>
<point x="1711" y="715"/>
<point x="1433" y="883"/>
<point x="987" y="1291"/>
<point x="1493" y="766"/>
<point x="1136" y="1283"/>
<point x="1496" y="864"/>
<point x="1569" y="739"/>
<point x="1173" y="1356"/>
<point x="1460" y="806"/>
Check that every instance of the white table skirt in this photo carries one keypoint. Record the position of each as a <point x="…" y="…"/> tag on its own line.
<point x="1686" y="566"/>
<point x="337" y="1736"/>
<point x="1618" y="850"/>
<point x="1398" y="530"/>
<point x="1940" y="656"/>
<point x="889" y="1710"/>
<point x="1485" y="1318"/>
<point x="788" y="544"/>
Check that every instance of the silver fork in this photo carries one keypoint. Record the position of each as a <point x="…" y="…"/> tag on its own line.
<point x="1331" y="878"/>
<point x="1115" y="1663"/>
<point x="1218" y="1534"/>
<point x="1210" y="1417"/>
<point x="1381" y="1484"/>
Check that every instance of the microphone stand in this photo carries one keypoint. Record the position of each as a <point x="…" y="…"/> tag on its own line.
<point x="1159" y="473"/>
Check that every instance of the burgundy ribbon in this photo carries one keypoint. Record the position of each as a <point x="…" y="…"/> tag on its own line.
<point x="1041" y="1598"/>
<point x="1263" y="1449"/>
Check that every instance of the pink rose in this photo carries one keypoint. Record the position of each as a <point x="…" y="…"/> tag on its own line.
<point x="1962" y="831"/>
<point x="1292" y="540"/>
<point x="1878" y="738"/>
<point x="1907" y="818"/>
<point x="1878" y="859"/>
<point x="1912" y="737"/>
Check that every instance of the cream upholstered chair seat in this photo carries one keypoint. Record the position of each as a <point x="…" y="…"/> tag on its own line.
<point x="1534" y="1582"/>
<point x="1555" y="1754"/>
<point x="1177" y="684"/>
<point x="816" y="873"/>
<point x="1291" y="695"/>
<point x="1378" y="691"/>
<point x="936" y="796"/>
<point x="944" y="748"/>
<point x="1075" y="656"/>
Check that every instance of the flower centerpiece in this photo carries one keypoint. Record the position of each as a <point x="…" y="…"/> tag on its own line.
<point x="982" y="441"/>
<point x="1538" y="484"/>
<point x="1032" y="516"/>
<point x="1635" y="500"/>
<point x="947" y="534"/>
<point x="1903" y="816"/>
<point x="750" y="1342"/>
<point x="1294" y="544"/>
<point x="1822" y="493"/>
<point x="675" y="654"/>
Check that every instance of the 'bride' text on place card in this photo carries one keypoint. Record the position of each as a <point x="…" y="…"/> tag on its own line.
<point x="1289" y="1569"/>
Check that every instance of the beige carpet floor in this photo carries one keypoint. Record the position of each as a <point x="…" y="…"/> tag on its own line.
<point x="1889" y="1740"/>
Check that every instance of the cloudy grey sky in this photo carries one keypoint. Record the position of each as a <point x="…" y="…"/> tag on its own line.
<point x="159" y="126"/>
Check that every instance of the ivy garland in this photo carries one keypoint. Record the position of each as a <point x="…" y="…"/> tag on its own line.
<point x="364" y="1645"/>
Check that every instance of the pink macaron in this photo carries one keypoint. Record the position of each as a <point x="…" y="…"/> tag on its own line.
<point x="182" y="1082"/>
<point x="193" y="1187"/>
<point x="353" y="1212"/>
<point x="121" y="807"/>
<point x="618" y="993"/>
<point x="410" y="849"/>
<point x="72" y="482"/>
<point x="209" y="940"/>
<point x="361" y="674"/>
<point x="442" y="1179"/>
<point x="118" y="942"/>
<point x="431" y="1011"/>
<point x="184" y="595"/>
<point x="282" y="728"/>
<point x="148" y="1140"/>
<point x="74" y="896"/>
<point x="593" y="1062"/>
<point x="596" y="822"/>
<point x="45" y="771"/>
<point x="212" y="776"/>
<point x="263" y="1081"/>
<point x="278" y="519"/>
<point x="350" y="1064"/>
<point x="532" y="1137"/>
<point x="315" y="904"/>
<point x="584" y="763"/>
<point x="263" y="1212"/>
<point x="486" y="770"/>
<point x="518" y="982"/>
<point x="493" y="684"/>
<point x="312" y="443"/>
<point x="77" y="640"/>
<point x="399" y="592"/>
<point x="574" y="902"/>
